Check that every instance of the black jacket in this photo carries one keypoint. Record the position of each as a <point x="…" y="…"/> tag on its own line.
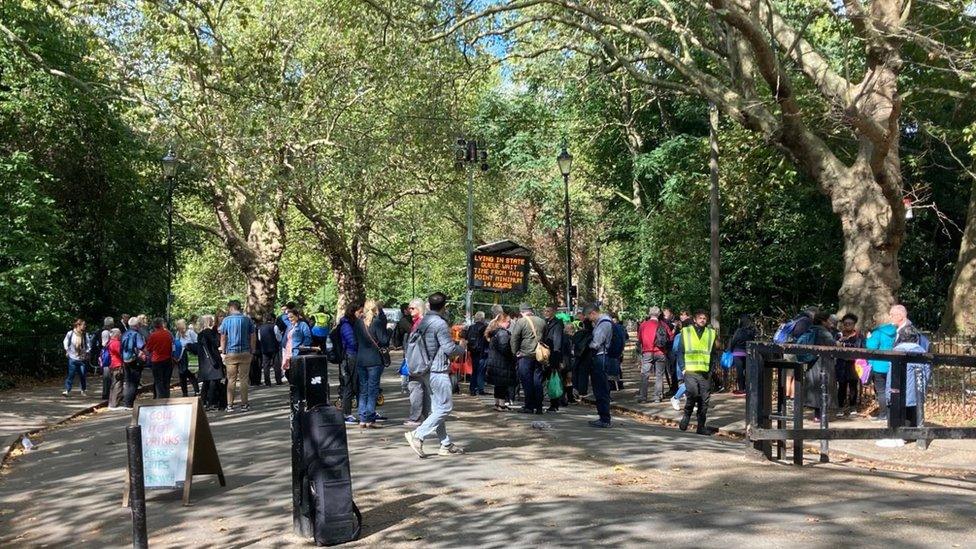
<point x="369" y="351"/>
<point x="553" y="336"/>
<point x="740" y="338"/>
<point x="211" y="365"/>
<point x="475" y="335"/>
<point x="501" y="361"/>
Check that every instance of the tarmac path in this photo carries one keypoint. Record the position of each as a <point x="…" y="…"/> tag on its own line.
<point x="634" y="485"/>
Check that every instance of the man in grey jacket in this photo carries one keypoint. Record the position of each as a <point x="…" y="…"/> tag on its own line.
<point x="440" y="347"/>
<point x="602" y="335"/>
<point x="526" y="334"/>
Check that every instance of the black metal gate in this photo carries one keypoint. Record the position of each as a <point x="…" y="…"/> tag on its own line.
<point x="765" y="358"/>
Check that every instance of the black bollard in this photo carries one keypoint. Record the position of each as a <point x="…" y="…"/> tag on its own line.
<point x="137" y="487"/>
<point x="300" y="521"/>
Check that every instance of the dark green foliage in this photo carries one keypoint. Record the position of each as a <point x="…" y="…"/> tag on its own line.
<point x="84" y="224"/>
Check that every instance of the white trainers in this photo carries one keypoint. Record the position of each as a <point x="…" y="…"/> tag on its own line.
<point x="84" y="393"/>
<point x="450" y="450"/>
<point x="64" y="393"/>
<point x="416" y="445"/>
<point x="890" y="443"/>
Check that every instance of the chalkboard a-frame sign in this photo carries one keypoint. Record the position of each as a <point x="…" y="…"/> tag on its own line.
<point x="176" y="445"/>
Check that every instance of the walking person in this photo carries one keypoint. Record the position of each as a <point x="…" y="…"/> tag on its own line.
<point x="133" y="360"/>
<point x="114" y="366"/>
<point x="269" y="343"/>
<point x="526" y="336"/>
<point x="744" y="333"/>
<point x="373" y="343"/>
<point x="418" y="388"/>
<point x="437" y="348"/>
<point x="653" y="339"/>
<point x="501" y="361"/>
<point x="475" y="346"/>
<point x="600" y="344"/>
<point x="211" y="371"/>
<point x="187" y="337"/>
<point x="555" y="337"/>
<point x="238" y="340"/>
<point x="348" y="375"/>
<point x="697" y="343"/>
<point x="159" y="348"/>
<point x="76" y="346"/>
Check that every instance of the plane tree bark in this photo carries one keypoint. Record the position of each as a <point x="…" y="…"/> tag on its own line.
<point x="764" y="73"/>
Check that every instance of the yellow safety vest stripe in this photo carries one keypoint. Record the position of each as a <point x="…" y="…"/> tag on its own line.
<point x="698" y="351"/>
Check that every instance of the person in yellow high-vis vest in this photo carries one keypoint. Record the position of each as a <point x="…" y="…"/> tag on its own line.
<point x="697" y="342"/>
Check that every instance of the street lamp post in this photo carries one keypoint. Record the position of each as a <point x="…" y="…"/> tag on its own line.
<point x="469" y="153"/>
<point x="169" y="163"/>
<point x="565" y="162"/>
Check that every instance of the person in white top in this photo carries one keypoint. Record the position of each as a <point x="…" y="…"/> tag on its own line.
<point x="76" y="346"/>
<point x="188" y="342"/>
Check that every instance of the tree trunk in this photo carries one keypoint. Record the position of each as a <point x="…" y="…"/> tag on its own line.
<point x="350" y="281"/>
<point x="959" y="316"/>
<point x="256" y="243"/>
<point x="873" y="236"/>
<point x="262" y="289"/>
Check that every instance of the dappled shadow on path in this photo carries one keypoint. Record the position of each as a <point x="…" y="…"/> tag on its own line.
<point x="568" y="486"/>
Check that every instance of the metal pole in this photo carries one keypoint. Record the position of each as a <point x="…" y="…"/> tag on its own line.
<point x="137" y="487"/>
<point x="169" y="248"/>
<point x="569" y="252"/>
<point x="468" y="312"/>
<point x="714" y="284"/>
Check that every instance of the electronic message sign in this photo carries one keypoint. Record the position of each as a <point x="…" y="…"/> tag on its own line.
<point x="499" y="273"/>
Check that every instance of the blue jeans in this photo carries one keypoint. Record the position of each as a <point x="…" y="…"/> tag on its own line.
<point x="75" y="366"/>
<point x="478" y="367"/>
<point x="440" y="407"/>
<point x="530" y="374"/>
<point x="601" y="388"/>
<point x="369" y="390"/>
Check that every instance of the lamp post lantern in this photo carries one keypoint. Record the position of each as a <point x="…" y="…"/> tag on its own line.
<point x="471" y="155"/>
<point x="169" y="163"/>
<point x="565" y="162"/>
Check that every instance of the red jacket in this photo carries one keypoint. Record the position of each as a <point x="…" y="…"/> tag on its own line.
<point x="647" y="332"/>
<point x="114" y="353"/>
<point x="159" y="346"/>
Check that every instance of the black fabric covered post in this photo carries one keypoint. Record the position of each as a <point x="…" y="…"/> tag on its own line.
<point x="137" y="487"/>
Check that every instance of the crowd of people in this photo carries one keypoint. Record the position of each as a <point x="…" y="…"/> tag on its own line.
<point x="544" y="362"/>
<point x="232" y="351"/>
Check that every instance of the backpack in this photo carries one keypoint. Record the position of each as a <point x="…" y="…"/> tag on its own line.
<point x="661" y="339"/>
<point x="105" y="359"/>
<point x="807" y="338"/>
<point x="616" y="349"/>
<point x="784" y="332"/>
<point x="129" y="350"/>
<point x="476" y="337"/>
<point x="335" y="353"/>
<point x="417" y="356"/>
